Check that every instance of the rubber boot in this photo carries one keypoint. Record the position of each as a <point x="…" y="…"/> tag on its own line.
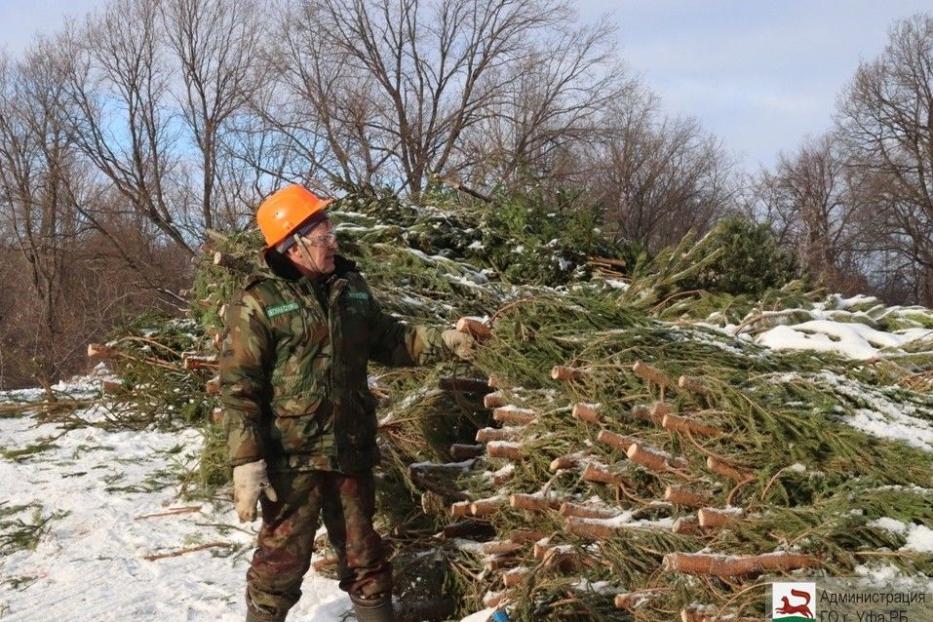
<point x="374" y="609"/>
<point x="252" y="617"/>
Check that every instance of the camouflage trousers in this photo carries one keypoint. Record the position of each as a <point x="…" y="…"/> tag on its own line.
<point x="286" y="539"/>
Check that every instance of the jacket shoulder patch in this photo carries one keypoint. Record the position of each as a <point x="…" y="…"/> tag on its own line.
<point x="275" y="310"/>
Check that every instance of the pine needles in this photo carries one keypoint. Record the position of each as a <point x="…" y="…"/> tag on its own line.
<point x="697" y="439"/>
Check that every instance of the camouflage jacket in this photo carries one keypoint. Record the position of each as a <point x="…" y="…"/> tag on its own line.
<point x="293" y="370"/>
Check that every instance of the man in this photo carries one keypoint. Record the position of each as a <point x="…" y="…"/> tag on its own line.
<point x="300" y="420"/>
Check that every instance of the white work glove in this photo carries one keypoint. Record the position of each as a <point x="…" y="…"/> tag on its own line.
<point x="459" y="343"/>
<point x="249" y="481"/>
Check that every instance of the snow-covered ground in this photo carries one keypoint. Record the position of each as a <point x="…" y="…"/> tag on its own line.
<point x="102" y="493"/>
<point x="844" y="326"/>
<point x="108" y="499"/>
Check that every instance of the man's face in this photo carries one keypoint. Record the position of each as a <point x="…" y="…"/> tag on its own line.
<point x="321" y="246"/>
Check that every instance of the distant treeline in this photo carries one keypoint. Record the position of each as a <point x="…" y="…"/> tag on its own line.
<point x="125" y="137"/>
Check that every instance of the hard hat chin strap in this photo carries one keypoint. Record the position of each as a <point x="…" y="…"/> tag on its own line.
<point x="303" y="248"/>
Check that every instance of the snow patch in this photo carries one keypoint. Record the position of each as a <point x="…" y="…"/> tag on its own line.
<point x="884" y="418"/>
<point x="108" y="493"/>
<point x="919" y="538"/>
<point x="483" y="615"/>
<point x="616" y="284"/>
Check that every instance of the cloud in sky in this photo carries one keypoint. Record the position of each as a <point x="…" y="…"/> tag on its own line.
<point x="760" y="75"/>
<point x="21" y="21"/>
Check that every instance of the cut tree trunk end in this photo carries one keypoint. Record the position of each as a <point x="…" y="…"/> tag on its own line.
<point x="736" y="566"/>
<point x="497" y="382"/>
<point x="587" y="528"/>
<point x="693" y="385"/>
<point x="710" y="518"/>
<point x="494" y="400"/>
<point x="728" y="471"/>
<point x="565" y="462"/>
<point x="652" y="374"/>
<point x="500" y="547"/>
<point x="514" y="576"/>
<point x="502" y="476"/>
<point x="474" y="327"/>
<point x="460" y="509"/>
<point x="633" y="600"/>
<point x="100" y="351"/>
<point x="513" y="415"/>
<point x="194" y="362"/>
<point x="485" y="507"/>
<point x="485" y="435"/>
<point x="564" y="560"/>
<point x="599" y="475"/>
<point x="615" y="440"/>
<point x="686" y="526"/>
<point x="505" y="449"/>
<point x="566" y="373"/>
<point x="682" y="496"/>
<point x="231" y="262"/>
<point x="659" y="410"/>
<point x="533" y="503"/>
<point x="526" y="536"/>
<point x="652" y="413"/>
<point x="655" y="461"/>
<point x="581" y="510"/>
<point x="682" y="424"/>
<point x="111" y="387"/>
<point x="583" y="411"/>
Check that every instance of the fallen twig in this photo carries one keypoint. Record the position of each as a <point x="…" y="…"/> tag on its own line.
<point x="193" y="549"/>
<point x="171" y="512"/>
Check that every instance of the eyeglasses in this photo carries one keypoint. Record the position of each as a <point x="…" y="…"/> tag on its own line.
<point x="323" y="239"/>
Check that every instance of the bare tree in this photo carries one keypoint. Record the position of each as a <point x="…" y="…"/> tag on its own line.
<point x="118" y="83"/>
<point x="886" y="122"/>
<point x="813" y="203"/>
<point x="255" y="154"/>
<point x="396" y="85"/>
<point x="215" y="44"/>
<point x="323" y="111"/>
<point x="74" y="261"/>
<point x="656" y="177"/>
<point x="554" y="100"/>
<point x="38" y="177"/>
<point x="128" y="136"/>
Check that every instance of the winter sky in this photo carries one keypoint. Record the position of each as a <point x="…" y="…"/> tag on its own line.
<point x="761" y="75"/>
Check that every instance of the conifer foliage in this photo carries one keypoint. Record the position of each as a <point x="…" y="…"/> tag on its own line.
<point x="623" y="446"/>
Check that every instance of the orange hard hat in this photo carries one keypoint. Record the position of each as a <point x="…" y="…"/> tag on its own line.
<point x="286" y="210"/>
